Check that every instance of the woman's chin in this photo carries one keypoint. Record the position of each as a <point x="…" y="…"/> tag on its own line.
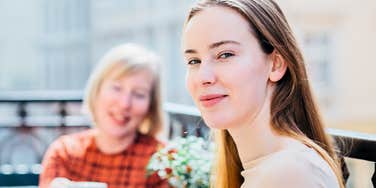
<point x="115" y="131"/>
<point x="116" y="134"/>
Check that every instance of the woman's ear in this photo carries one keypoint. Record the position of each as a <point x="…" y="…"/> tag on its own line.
<point x="279" y="67"/>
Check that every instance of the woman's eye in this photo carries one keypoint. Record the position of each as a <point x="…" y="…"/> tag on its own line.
<point x="116" y="87"/>
<point x="193" y="62"/>
<point x="140" y="95"/>
<point x="225" y="55"/>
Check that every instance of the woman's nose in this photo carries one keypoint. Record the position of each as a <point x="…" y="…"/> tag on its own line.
<point x="125" y="101"/>
<point x="206" y="74"/>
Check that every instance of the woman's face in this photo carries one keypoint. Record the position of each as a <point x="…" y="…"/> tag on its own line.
<point x="122" y="104"/>
<point x="227" y="72"/>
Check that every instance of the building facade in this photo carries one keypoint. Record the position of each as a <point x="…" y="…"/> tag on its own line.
<point x="53" y="45"/>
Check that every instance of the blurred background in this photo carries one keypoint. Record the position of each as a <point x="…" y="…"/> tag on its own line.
<point x="52" y="45"/>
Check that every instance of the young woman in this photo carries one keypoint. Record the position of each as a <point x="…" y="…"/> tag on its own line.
<point x="123" y="101"/>
<point x="247" y="76"/>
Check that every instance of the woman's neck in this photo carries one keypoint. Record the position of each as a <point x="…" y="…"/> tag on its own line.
<point x="255" y="138"/>
<point x="112" y="145"/>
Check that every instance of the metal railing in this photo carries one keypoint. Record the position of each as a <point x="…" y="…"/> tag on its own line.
<point x="34" y="136"/>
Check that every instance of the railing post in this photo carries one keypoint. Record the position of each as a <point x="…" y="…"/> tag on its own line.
<point x="374" y="177"/>
<point x="22" y="113"/>
<point x="62" y="113"/>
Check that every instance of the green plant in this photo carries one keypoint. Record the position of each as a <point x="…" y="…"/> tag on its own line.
<point x="184" y="162"/>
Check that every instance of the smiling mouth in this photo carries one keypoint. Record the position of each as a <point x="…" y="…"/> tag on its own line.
<point x="211" y="100"/>
<point x="120" y="120"/>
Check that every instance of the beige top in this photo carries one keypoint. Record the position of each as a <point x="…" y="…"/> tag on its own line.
<point x="290" y="168"/>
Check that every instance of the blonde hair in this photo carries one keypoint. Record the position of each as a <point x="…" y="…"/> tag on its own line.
<point x="293" y="109"/>
<point x="124" y="60"/>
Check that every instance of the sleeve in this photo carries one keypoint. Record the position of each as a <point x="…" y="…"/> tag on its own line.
<point x="291" y="178"/>
<point x="296" y="174"/>
<point x="53" y="164"/>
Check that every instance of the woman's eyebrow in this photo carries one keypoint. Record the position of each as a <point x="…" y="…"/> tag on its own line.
<point x="214" y="45"/>
<point x="220" y="43"/>
<point x="190" y="51"/>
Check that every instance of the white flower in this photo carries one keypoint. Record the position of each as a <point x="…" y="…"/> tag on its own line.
<point x="184" y="162"/>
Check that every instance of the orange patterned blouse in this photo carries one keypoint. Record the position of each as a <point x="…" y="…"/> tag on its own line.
<point x="77" y="158"/>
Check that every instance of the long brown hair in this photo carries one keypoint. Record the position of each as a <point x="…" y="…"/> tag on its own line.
<point x="293" y="109"/>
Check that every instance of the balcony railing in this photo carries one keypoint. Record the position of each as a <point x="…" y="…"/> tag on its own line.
<point x="32" y="120"/>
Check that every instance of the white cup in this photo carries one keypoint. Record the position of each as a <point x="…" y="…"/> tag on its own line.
<point x="87" y="184"/>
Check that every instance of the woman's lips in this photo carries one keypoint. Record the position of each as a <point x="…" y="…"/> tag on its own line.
<point x="119" y="120"/>
<point x="211" y="100"/>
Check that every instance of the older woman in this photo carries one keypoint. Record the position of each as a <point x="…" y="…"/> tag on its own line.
<point x="123" y="101"/>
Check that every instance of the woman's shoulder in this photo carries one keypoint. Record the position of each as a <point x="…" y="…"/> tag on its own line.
<point x="147" y="143"/>
<point x="73" y="144"/>
<point x="294" y="168"/>
<point x="292" y="163"/>
<point x="147" y="139"/>
<point x="297" y="160"/>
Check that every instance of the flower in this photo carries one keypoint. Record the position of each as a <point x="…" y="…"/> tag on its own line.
<point x="184" y="162"/>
